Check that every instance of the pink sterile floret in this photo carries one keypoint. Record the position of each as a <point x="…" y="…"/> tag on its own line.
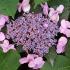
<point x="2" y="36"/>
<point x="6" y="46"/>
<point x="53" y="15"/>
<point x="61" y="45"/>
<point x="34" y="61"/>
<point x="45" y="8"/>
<point x="64" y="28"/>
<point x="26" y="59"/>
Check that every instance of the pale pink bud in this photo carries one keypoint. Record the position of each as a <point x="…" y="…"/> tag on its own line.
<point x="2" y="36"/>
<point x="45" y="8"/>
<point x="23" y="60"/>
<point x="60" y="9"/>
<point x="61" y="45"/>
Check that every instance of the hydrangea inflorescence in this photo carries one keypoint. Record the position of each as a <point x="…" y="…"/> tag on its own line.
<point x="36" y="32"/>
<point x="30" y="30"/>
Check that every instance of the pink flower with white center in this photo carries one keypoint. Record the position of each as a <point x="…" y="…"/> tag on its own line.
<point x="61" y="45"/>
<point x="45" y="8"/>
<point x="2" y="36"/>
<point x="36" y="63"/>
<point x="24" y="6"/>
<point x="53" y="15"/>
<point x="60" y="9"/>
<point x="6" y="46"/>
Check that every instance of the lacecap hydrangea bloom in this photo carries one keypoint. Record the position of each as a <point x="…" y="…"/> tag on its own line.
<point x="35" y="32"/>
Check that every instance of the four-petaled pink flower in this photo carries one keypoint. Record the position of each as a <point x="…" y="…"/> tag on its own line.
<point x="61" y="45"/>
<point x="24" y="6"/>
<point x="54" y="14"/>
<point x="34" y="61"/>
<point x="6" y="46"/>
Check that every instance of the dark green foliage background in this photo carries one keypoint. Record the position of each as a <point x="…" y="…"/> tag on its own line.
<point x="9" y="61"/>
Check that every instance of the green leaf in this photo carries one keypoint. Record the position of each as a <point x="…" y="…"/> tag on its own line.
<point x="8" y="7"/>
<point x="62" y="63"/>
<point x="9" y="61"/>
<point x="68" y="49"/>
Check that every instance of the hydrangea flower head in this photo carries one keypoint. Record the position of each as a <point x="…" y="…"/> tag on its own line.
<point x="35" y="32"/>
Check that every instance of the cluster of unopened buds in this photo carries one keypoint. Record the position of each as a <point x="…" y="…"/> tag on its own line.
<point x="34" y="61"/>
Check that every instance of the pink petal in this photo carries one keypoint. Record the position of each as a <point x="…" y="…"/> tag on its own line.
<point x="67" y="32"/>
<point x="30" y="57"/>
<point x="51" y="12"/>
<point x="45" y="8"/>
<point x="26" y="8"/>
<point x="23" y="60"/>
<point x="2" y="20"/>
<point x="63" y="23"/>
<point x="6" y="42"/>
<point x="31" y="64"/>
<point x="55" y="18"/>
<point x="53" y="15"/>
<point x="68" y="24"/>
<point x="5" y="50"/>
<point x="60" y="9"/>
<point x="11" y="46"/>
<point x="2" y="36"/>
<point x="62" y="30"/>
<point x="6" y="46"/>
<point x="39" y="63"/>
<point x="61" y="45"/>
